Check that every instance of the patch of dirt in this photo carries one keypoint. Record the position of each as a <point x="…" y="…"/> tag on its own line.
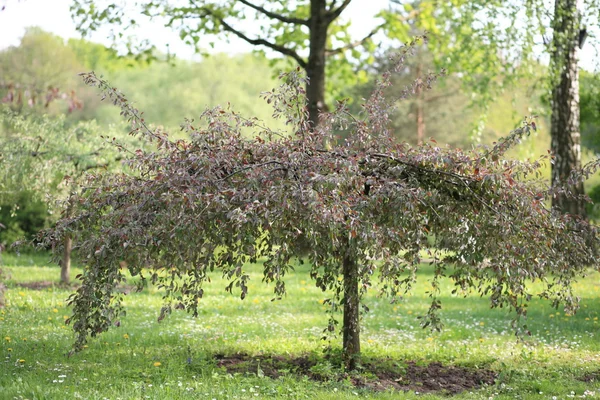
<point x="41" y="285"/>
<point x="374" y="375"/>
<point x="38" y="285"/>
<point x="590" y="377"/>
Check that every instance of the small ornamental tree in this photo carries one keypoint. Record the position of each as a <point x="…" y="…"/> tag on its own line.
<point x="365" y="209"/>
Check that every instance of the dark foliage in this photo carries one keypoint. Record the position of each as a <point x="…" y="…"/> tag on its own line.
<point x="366" y="210"/>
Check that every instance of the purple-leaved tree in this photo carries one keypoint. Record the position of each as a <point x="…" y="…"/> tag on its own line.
<point x="360" y="211"/>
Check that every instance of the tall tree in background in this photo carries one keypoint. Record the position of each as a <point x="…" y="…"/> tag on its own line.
<point x="565" y="126"/>
<point x="515" y="33"/>
<point x="41" y="69"/>
<point x="308" y="31"/>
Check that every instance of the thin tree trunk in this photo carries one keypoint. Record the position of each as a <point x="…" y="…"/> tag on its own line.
<point x="351" y="327"/>
<point x="420" y="102"/>
<point x="315" y="68"/>
<point x="565" y="132"/>
<point x="65" y="265"/>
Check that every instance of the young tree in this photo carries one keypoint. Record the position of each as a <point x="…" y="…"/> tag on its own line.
<point x="365" y="209"/>
<point x="307" y="32"/>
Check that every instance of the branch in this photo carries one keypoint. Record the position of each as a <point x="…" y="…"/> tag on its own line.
<point x="462" y="180"/>
<point x="270" y="14"/>
<point x="251" y="167"/>
<point x="261" y="42"/>
<point x="354" y="44"/>
<point x="104" y="165"/>
<point x="333" y="14"/>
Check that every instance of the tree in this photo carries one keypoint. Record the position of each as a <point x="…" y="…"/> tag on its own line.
<point x="38" y="172"/>
<point x="365" y="209"/>
<point x="290" y="29"/>
<point x="493" y="45"/>
<point x="441" y="113"/>
<point x="37" y="72"/>
<point x="565" y="127"/>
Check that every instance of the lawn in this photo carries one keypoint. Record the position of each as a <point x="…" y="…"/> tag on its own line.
<point x="179" y="357"/>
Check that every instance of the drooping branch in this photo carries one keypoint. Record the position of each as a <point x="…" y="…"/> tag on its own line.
<point x="270" y="14"/>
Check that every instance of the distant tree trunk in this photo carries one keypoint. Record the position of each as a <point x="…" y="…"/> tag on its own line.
<point x="420" y="102"/>
<point x="565" y="133"/>
<point x="65" y="265"/>
<point x="315" y="68"/>
<point x="351" y="327"/>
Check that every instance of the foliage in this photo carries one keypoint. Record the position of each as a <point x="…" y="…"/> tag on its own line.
<point x="368" y="205"/>
<point x="590" y="111"/>
<point x="40" y="158"/>
<point x="494" y="42"/>
<point x="41" y="69"/>
<point x="445" y="108"/>
<point x="23" y="218"/>
<point x="594" y="207"/>
<point x="476" y="38"/>
<point x="187" y="88"/>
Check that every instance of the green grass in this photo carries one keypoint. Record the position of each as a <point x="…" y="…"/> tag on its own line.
<point x="173" y="359"/>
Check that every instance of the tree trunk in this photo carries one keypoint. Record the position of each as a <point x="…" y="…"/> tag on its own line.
<point x="565" y="132"/>
<point x="351" y="327"/>
<point x="420" y="102"/>
<point x="315" y="67"/>
<point x="65" y="265"/>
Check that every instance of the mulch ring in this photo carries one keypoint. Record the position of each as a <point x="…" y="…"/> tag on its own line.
<point x="590" y="377"/>
<point x="374" y="375"/>
<point x="41" y="285"/>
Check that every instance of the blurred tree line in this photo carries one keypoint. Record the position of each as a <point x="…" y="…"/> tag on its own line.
<point x="39" y="83"/>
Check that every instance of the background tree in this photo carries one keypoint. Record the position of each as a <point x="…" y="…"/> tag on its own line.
<point x="494" y="45"/>
<point x="441" y="113"/>
<point x="308" y="32"/>
<point x="38" y="172"/>
<point x="41" y="69"/>
<point x="367" y="209"/>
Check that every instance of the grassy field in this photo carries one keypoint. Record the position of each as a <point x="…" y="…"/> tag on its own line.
<point x="174" y="359"/>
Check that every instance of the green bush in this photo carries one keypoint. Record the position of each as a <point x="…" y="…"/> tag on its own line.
<point x="22" y="219"/>
<point x="593" y="208"/>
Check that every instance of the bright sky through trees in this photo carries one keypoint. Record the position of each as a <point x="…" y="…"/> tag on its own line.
<point x="54" y="16"/>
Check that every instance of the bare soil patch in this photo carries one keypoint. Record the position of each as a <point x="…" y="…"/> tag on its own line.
<point x="39" y="285"/>
<point x="376" y="375"/>
<point x="591" y="377"/>
<point x="42" y="285"/>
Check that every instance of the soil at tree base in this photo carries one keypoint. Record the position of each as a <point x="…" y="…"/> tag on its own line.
<point x="408" y="376"/>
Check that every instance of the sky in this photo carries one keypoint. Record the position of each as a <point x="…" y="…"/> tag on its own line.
<point x="54" y="16"/>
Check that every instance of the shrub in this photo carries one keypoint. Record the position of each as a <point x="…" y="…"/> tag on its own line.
<point x="23" y="218"/>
